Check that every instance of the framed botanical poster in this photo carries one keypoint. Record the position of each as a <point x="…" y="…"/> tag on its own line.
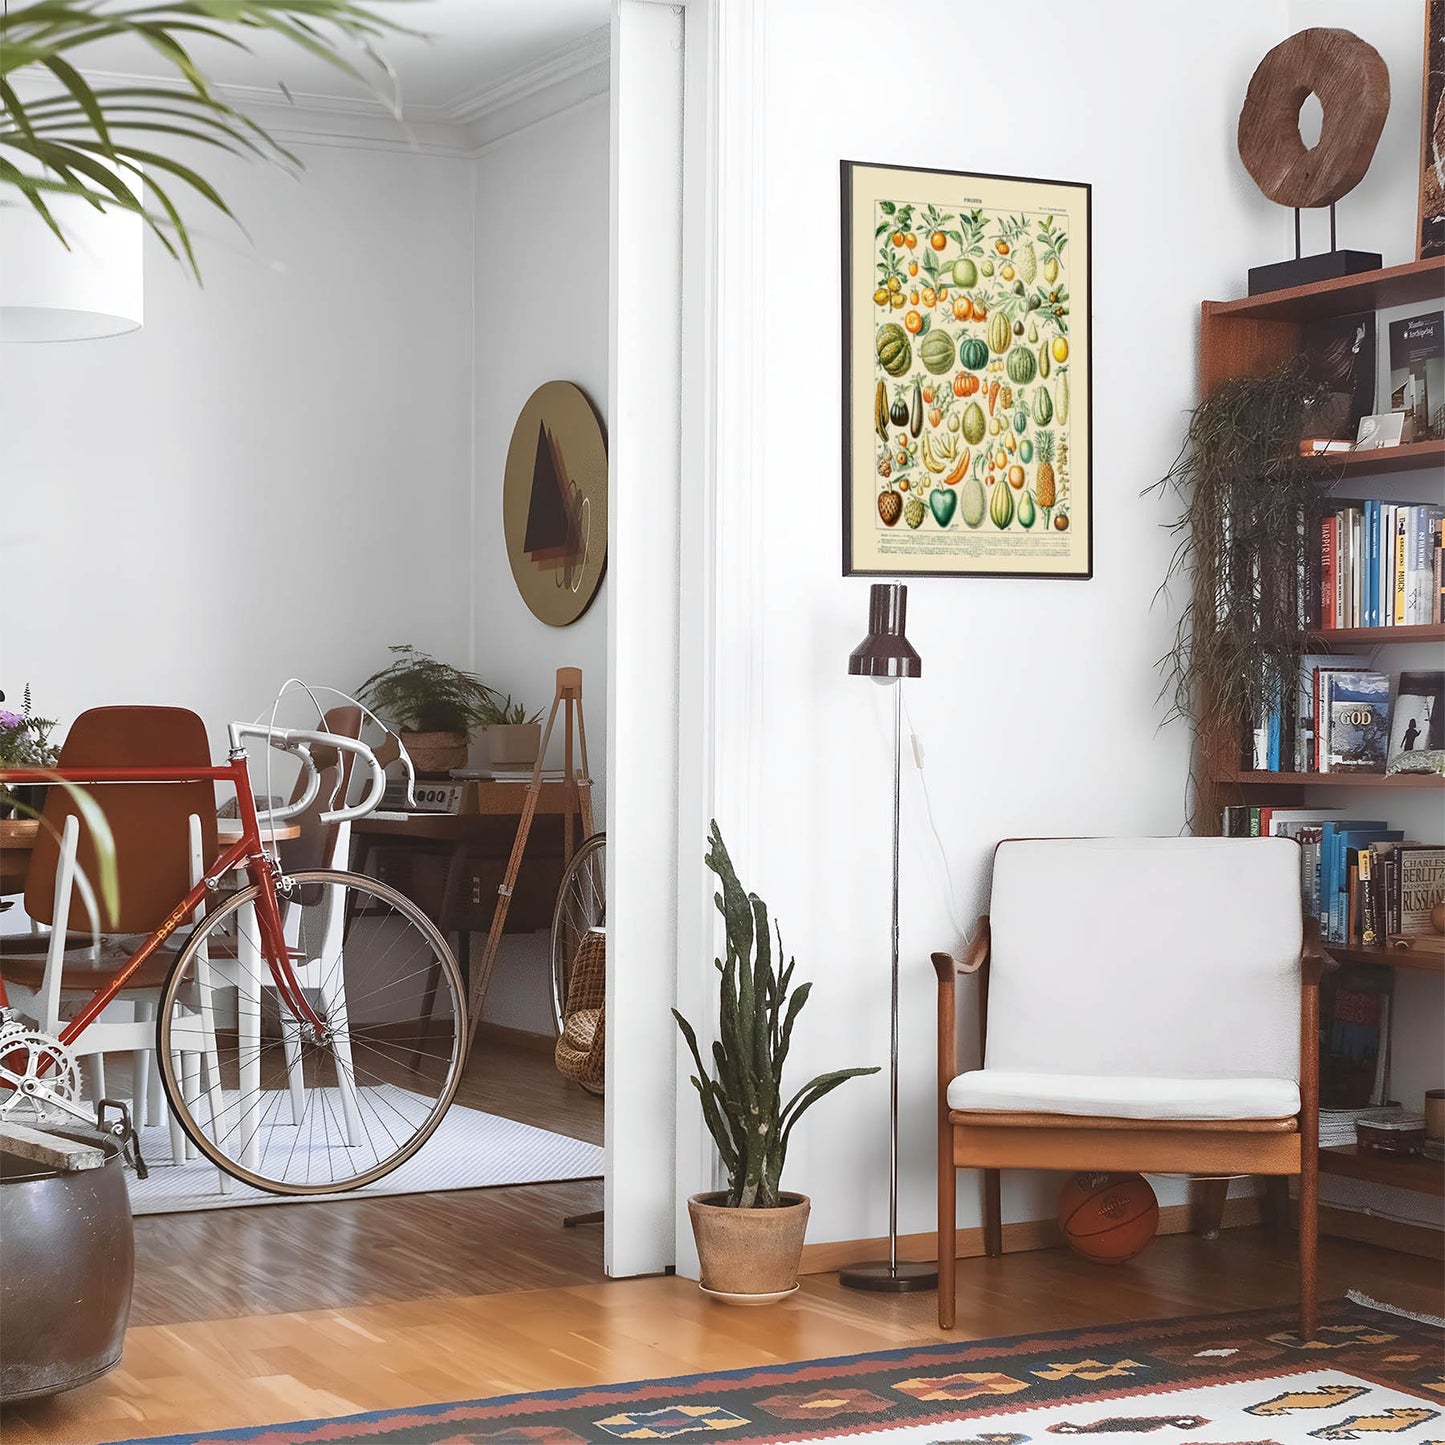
<point x="966" y="377"/>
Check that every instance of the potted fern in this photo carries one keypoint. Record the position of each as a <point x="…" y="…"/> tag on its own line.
<point x="750" y="1235"/>
<point x="434" y="704"/>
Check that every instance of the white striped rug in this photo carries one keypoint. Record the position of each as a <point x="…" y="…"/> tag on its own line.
<point x="470" y="1150"/>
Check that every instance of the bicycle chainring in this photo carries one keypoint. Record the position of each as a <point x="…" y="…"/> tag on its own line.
<point x="28" y="1054"/>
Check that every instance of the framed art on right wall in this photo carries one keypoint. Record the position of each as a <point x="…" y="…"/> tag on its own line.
<point x="1432" y="134"/>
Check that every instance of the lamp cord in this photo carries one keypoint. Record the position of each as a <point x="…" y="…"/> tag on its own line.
<point x="955" y="914"/>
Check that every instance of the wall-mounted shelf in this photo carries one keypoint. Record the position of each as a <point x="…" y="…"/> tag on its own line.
<point x="1414" y="1172"/>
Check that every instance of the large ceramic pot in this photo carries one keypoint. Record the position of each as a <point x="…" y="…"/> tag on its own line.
<point x="749" y="1256"/>
<point x="69" y="1259"/>
<point x="434" y="755"/>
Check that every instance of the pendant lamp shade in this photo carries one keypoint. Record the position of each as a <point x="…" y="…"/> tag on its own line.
<point x="49" y="293"/>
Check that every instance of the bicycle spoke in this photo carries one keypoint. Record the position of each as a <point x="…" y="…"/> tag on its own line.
<point x="296" y="1110"/>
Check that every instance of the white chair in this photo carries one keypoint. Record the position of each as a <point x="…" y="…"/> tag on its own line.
<point x="1145" y="1004"/>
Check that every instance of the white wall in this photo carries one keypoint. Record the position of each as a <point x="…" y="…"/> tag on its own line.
<point x="302" y="421"/>
<point x="1037" y="708"/>
<point x="541" y="271"/>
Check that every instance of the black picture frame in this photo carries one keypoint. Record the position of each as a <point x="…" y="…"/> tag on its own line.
<point x="1078" y="565"/>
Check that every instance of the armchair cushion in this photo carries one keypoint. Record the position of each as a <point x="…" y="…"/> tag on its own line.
<point x="1145" y="958"/>
<point x="1119" y="1097"/>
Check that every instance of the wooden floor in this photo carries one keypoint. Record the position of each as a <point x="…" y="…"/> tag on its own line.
<point x="265" y="1369"/>
<point x="225" y="1263"/>
<point x="256" y="1316"/>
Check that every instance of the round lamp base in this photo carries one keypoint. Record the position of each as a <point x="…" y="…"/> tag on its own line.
<point x="882" y="1278"/>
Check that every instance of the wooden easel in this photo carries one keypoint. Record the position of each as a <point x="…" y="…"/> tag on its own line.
<point x="578" y="785"/>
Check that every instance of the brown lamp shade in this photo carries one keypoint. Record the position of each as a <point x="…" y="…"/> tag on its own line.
<point x="886" y="652"/>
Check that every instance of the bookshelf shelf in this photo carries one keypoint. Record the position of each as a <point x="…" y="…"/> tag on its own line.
<point x="1366" y="291"/>
<point x="1414" y="1172"/>
<point x="1247" y="779"/>
<point x="1421" y="962"/>
<point x="1408" y="457"/>
<point x="1377" y="636"/>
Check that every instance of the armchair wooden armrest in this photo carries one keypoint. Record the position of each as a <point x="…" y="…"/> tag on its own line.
<point x="944" y="965"/>
<point x="1313" y="960"/>
<point x="974" y="958"/>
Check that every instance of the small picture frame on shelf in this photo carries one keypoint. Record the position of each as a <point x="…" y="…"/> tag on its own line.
<point x="1383" y="429"/>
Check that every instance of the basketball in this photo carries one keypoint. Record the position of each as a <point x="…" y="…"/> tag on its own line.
<point x="1108" y="1217"/>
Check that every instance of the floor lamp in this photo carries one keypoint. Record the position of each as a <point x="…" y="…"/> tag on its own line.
<point x="887" y="657"/>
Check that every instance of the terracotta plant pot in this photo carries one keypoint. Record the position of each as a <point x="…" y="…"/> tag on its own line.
<point x="749" y="1256"/>
<point x="513" y="745"/>
<point x="434" y="755"/>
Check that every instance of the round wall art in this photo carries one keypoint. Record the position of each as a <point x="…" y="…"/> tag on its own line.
<point x="554" y="503"/>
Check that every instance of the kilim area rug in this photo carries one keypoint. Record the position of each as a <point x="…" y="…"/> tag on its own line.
<point x="1237" y="1379"/>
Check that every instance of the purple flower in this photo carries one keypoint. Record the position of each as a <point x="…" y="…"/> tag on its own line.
<point x="11" y="719"/>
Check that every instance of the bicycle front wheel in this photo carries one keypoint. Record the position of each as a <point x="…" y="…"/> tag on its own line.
<point x="280" y="1104"/>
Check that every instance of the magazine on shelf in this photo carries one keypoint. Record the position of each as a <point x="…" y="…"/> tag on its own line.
<point x="1417" y="721"/>
<point x="1417" y="369"/>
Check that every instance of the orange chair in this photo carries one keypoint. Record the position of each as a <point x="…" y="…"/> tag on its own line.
<point x="163" y="833"/>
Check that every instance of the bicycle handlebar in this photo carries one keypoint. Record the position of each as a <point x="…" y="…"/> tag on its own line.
<point x="300" y="741"/>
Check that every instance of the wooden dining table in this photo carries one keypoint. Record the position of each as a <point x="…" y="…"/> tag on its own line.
<point x="18" y="835"/>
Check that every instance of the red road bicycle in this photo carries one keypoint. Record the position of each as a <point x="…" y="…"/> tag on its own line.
<point x="311" y="1028"/>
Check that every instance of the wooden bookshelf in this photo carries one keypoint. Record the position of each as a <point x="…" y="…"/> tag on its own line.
<point x="1364" y="291"/>
<point x="1421" y="961"/>
<point x="1381" y="461"/>
<point x="1378" y="636"/>
<point x="1245" y="778"/>
<point x="1408" y="1171"/>
<point x="1253" y="336"/>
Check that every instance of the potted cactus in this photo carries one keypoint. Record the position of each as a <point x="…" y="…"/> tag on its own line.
<point x="750" y="1235"/>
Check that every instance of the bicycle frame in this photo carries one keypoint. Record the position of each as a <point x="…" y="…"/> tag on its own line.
<point x="248" y="850"/>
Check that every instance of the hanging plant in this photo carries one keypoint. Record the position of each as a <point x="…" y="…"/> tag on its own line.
<point x="1242" y="546"/>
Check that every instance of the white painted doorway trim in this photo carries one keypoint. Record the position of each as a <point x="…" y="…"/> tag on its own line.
<point x="685" y="595"/>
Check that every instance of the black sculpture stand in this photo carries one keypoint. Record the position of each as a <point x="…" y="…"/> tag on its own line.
<point x="1306" y="270"/>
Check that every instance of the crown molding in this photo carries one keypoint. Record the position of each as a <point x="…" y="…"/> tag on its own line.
<point x="565" y="78"/>
<point x="568" y="76"/>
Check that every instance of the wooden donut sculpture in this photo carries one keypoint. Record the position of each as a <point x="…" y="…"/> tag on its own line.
<point x="1353" y="86"/>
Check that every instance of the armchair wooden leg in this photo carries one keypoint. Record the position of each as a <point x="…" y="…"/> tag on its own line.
<point x="1276" y="1205"/>
<point x="1207" y="1200"/>
<point x="1308" y="1244"/>
<point x="992" y="1214"/>
<point x="947" y="1217"/>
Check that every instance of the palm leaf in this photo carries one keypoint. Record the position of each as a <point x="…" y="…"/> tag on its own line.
<point x="57" y="141"/>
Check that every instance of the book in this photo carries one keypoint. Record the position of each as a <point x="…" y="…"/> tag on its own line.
<point x="1305" y="760"/>
<point x="1355" y="1038"/>
<point x="1420" y="588"/>
<point x="1419" y="885"/>
<point x="1417" y="368"/>
<point x="1354" y="716"/>
<point x="1417" y="721"/>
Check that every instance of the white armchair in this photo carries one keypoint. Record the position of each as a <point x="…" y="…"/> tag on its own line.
<point x="1144" y="1004"/>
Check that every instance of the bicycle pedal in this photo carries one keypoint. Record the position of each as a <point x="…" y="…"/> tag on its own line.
<point x="125" y="1131"/>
